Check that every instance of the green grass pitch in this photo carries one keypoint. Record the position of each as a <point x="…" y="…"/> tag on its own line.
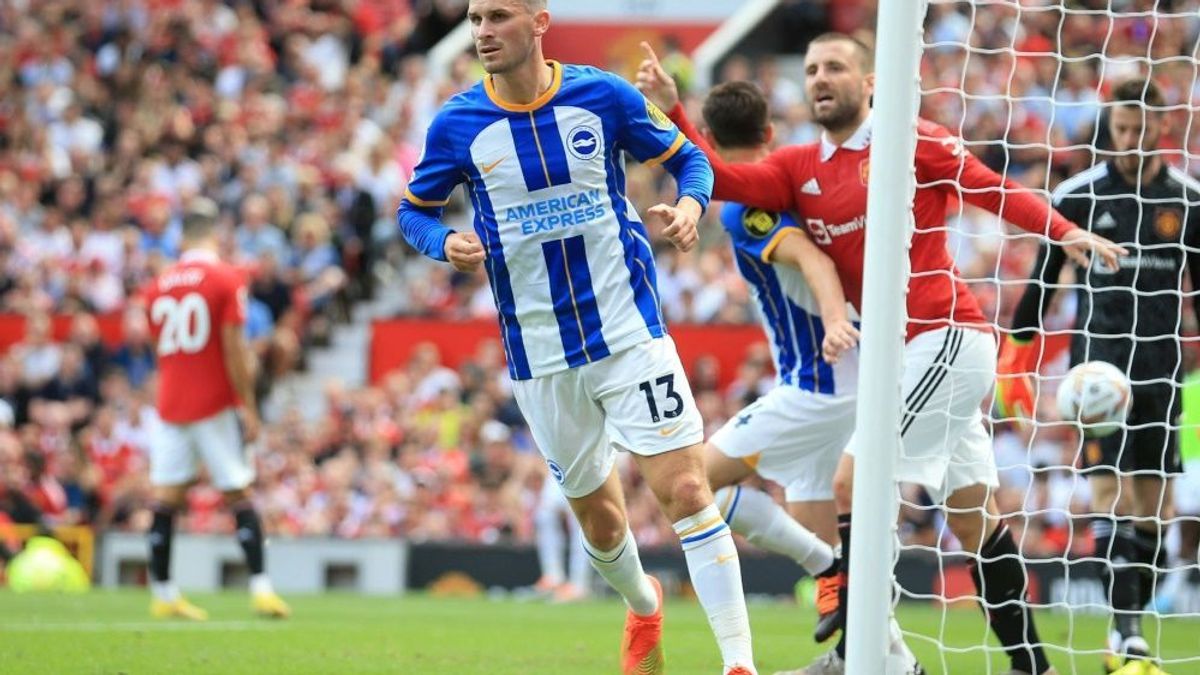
<point x="111" y="632"/>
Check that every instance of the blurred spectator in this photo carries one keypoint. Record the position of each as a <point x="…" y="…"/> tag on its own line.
<point x="256" y="235"/>
<point x="39" y="357"/>
<point x="136" y="355"/>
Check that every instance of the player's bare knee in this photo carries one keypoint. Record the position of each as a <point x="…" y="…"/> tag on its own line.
<point x="968" y="527"/>
<point x="1152" y="498"/>
<point x="1107" y="497"/>
<point x="687" y="495"/>
<point x="1153" y="510"/>
<point x="843" y="490"/>
<point x="603" y="524"/>
<point x="604" y="535"/>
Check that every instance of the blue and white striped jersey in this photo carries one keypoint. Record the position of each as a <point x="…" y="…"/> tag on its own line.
<point x="568" y="258"/>
<point x="787" y="307"/>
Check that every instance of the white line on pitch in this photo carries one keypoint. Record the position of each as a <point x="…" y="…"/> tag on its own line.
<point x="98" y="627"/>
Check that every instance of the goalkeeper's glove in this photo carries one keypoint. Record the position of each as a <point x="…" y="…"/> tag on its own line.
<point x="1014" y="381"/>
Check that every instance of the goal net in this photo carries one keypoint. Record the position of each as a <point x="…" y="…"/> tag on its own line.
<point x="1027" y="85"/>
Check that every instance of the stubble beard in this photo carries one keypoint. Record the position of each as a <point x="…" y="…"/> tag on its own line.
<point x="843" y="115"/>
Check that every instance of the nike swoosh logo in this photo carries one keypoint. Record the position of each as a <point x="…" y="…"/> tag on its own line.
<point x="487" y="168"/>
<point x="668" y="432"/>
<point x="722" y="559"/>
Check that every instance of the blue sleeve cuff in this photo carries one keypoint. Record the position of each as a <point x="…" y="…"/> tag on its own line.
<point x="423" y="231"/>
<point x="693" y="173"/>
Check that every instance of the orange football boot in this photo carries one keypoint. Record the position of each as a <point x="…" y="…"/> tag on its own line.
<point x="641" y="648"/>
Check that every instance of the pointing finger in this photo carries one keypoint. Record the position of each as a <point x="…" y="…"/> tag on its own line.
<point x="650" y="55"/>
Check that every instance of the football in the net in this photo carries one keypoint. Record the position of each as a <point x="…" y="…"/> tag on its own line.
<point x="1096" y="396"/>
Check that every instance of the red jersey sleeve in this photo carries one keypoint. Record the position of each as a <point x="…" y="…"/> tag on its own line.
<point x="766" y="185"/>
<point x="944" y="163"/>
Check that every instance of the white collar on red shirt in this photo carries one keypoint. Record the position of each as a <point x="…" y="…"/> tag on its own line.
<point x="859" y="140"/>
<point x="199" y="255"/>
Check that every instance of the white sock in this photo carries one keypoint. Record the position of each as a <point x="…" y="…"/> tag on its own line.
<point x="548" y="527"/>
<point x="767" y="525"/>
<point x="622" y="569"/>
<point x="164" y="590"/>
<point x="259" y="584"/>
<point x="577" y="557"/>
<point x="712" y="562"/>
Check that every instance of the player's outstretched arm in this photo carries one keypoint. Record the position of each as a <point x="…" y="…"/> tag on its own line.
<point x="765" y="185"/>
<point x="942" y="159"/>
<point x="797" y="250"/>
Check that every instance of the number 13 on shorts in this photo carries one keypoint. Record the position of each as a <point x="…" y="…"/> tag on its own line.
<point x="666" y="383"/>
<point x="657" y="413"/>
<point x="637" y="400"/>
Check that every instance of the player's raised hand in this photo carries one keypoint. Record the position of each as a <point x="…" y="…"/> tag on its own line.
<point x="840" y="336"/>
<point x="654" y="82"/>
<point x="1079" y="244"/>
<point x="464" y="251"/>
<point x="679" y="225"/>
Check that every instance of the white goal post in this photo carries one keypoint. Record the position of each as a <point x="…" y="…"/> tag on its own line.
<point x="889" y="192"/>
<point x="1024" y="84"/>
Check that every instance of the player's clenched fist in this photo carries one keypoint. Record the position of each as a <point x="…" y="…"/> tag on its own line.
<point x="679" y="223"/>
<point x="464" y="251"/>
<point x="654" y="82"/>
<point x="840" y="336"/>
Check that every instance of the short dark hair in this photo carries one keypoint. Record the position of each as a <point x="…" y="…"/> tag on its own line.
<point x="736" y="114"/>
<point x="199" y="218"/>
<point x="865" y="54"/>
<point x="1138" y="91"/>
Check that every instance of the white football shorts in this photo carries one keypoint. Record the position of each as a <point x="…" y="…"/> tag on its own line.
<point x="176" y="449"/>
<point x="793" y="437"/>
<point x="945" y="447"/>
<point x="637" y="400"/>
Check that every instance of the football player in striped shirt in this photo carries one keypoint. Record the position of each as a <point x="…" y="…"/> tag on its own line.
<point x="540" y="147"/>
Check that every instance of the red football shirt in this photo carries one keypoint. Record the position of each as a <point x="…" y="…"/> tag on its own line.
<point x="188" y="305"/>
<point x="827" y="186"/>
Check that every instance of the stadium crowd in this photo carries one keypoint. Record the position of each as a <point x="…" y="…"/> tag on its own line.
<point x="302" y="120"/>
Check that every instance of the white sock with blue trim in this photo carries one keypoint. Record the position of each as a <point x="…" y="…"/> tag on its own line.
<point x="766" y="524"/>
<point x="712" y="561"/>
<point x="622" y="569"/>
